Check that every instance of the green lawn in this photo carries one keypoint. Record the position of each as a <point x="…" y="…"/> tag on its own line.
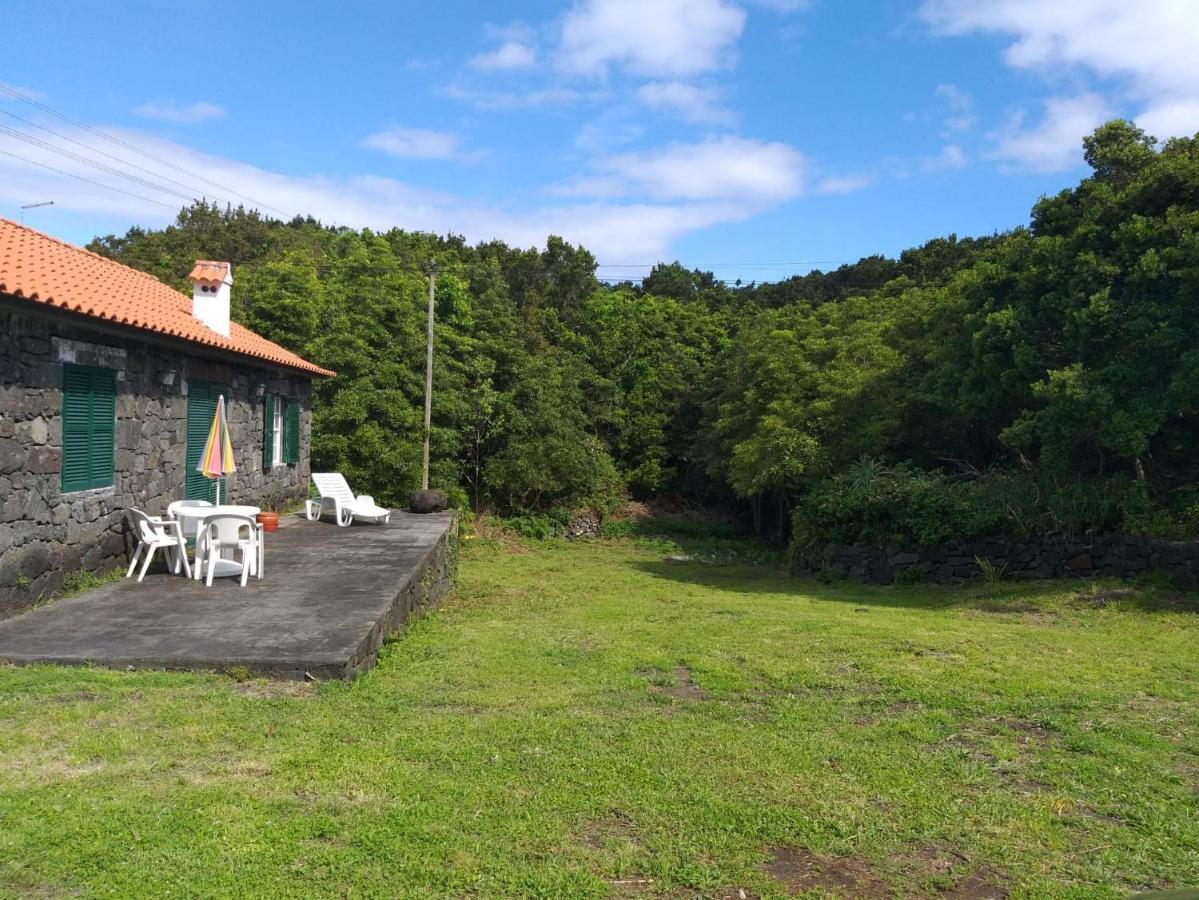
<point x="593" y="720"/>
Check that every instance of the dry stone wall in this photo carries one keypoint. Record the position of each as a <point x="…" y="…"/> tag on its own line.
<point x="1123" y="556"/>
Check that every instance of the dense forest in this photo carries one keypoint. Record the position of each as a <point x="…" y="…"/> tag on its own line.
<point x="1041" y="380"/>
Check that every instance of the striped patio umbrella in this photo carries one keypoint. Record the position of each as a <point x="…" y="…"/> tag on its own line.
<point x="217" y="459"/>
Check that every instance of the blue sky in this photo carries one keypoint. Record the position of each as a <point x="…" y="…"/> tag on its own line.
<point x="756" y="138"/>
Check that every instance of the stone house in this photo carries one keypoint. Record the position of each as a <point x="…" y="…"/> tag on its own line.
<point x="108" y="384"/>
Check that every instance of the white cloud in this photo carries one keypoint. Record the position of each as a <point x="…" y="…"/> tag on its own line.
<point x="1055" y="143"/>
<point x="490" y="100"/>
<point x="689" y="102"/>
<point x="950" y="157"/>
<point x="746" y="172"/>
<point x="662" y="38"/>
<point x="32" y="93"/>
<point x="513" y="31"/>
<point x="170" y="111"/>
<point x="782" y="6"/>
<point x="1150" y="45"/>
<point x="415" y="143"/>
<point x="613" y="230"/>
<point x="506" y="57"/>
<point x="958" y="108"/>
<point x="615" y="127"/>
<point x="1171" y="118"/>
<point x="842" y="184"/>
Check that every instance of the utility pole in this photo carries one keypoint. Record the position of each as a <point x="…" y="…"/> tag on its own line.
<point x="429" y="374"/>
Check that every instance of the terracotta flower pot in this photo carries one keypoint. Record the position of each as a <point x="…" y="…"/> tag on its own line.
<point x="268" y="520"/>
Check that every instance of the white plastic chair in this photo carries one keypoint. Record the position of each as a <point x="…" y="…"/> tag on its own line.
<point x="224" y="531"/>
<point x="334" y="491"/>
<point x="157" y="534"/>
<point x="173" y="512"/>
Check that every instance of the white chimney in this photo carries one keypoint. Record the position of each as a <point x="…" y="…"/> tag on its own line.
<point x="212" y="283"/>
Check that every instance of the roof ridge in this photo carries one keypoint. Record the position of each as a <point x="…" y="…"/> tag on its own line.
<point x="82" y="281"/>
<point x="77" y="249"/>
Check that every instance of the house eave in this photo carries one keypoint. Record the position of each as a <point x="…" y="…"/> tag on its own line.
<point x="23" y="307"/>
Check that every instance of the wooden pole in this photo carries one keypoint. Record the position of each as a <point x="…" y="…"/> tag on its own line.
<point x="429" y="375"/>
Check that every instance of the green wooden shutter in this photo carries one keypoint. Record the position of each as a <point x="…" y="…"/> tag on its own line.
<point x="268" y="432"/>
<point x="291" y="437"/>
<point x="76" y="427"/>
<point x="104" y="425"/>
<point x="88" y="427"/>
<point x="201" y="407"/>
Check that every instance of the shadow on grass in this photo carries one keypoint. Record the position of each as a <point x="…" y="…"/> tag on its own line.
<point x="999" y="597"/>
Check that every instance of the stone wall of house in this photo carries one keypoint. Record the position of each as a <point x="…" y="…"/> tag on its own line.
<point x="46" y="534"/>
<point x="1122" y="556"/>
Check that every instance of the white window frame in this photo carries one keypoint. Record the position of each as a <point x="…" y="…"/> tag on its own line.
<point x="277" y="435"/>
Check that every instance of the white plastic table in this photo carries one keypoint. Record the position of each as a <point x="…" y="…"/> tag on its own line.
<point x="190" y="518"/>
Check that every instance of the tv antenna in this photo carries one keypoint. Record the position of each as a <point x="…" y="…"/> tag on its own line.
<point x="34" y="206"/>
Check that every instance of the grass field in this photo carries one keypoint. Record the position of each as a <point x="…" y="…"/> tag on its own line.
<point x="593" y="720"/>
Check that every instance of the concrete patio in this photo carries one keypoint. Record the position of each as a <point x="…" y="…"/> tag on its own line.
<point x="330" y="597"/>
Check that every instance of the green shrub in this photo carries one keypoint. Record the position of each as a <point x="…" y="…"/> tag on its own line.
<point x="458" y="498"/>
<point x="537" y="526"/>
<point x="903" y="505"/>
<point x="912" y="575"/>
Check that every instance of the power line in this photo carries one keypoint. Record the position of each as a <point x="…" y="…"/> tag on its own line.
<point x="34" y="162"/>
<point x="728" y="265"/>
<point x="80" y="158"/>
<point x="119" y="159"/>
<point x="127" y="145"/>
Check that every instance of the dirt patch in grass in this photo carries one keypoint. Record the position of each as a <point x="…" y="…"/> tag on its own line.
<point x="615" y="826"/>
<point x="80" y="697"/>
<point x="928" y="870"/>
<point x="42" y="768"/>
<point x="224" y="771"/>
<point x="275" y="690"/>
<point x="1023" y="610"/>
<point x="678" y="685"/>
<point x="1016" y="772"/>
<point x="632" y="886"/>
<point x="892" y="711"/>
<point x="1004" y="606"/>
<point x="949" y="656"/>
<point x="42" y="891"/>
<point x="1147" y="600"/>
<point x="1030" y="732"/>
<point x="802" y="870"/>
<point x="951" y="874"/>
<point x="1102" y="598"/>
<point x="490" y="530"/>
<point x="617" y="832"/>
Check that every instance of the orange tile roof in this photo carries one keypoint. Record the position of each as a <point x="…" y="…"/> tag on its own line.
<point x="207" y="270"/>
<point x="43" y="269"/>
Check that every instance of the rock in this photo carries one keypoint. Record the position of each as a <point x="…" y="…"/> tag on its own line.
<point x="35" y="431"/>
<point x="428" y="501"/>
<point x="44" y="460"/>
<point x="584" y="523"/>
<point x="679" y="558"/>
<point x="1079" y="563"/>
<point x="13" y="455"/>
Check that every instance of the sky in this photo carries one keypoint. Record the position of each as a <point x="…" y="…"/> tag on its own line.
<point x="752" y="138"/>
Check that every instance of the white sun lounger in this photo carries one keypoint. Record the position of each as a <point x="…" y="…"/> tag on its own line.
<point x="333" y="491"/>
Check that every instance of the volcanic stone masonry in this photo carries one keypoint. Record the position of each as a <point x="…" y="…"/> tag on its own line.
<point x="1122" y="556"/>
<point x="46" y="534"/>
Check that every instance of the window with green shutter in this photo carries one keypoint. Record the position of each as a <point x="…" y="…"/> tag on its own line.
<point x="291" y="432"/>
<point x="268" y="432"/>
<point x="201" y="408"/>
<point x="89" y="411"/>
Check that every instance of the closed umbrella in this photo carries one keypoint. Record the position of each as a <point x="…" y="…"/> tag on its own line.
<point x="217" y="459"/>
